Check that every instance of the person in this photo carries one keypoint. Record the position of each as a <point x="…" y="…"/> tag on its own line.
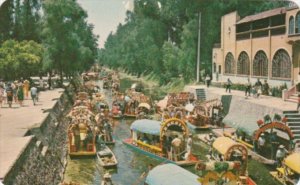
<point x="1" y="94"/>
<point x="9" y="95"/>
<point x="280" y="154"/>
<point x="14" y="90"/>
<point x="258" y="83"/>
<point x="76" y="133"/>
<point x="266" y="88"/>
<point x="228" y="85"/>
<point x="248" y="88"/>
<point x="41" y="83"/>
<point x="261" y="142"/>
<point x="108" y="130"/>
<point x="207" y="79"/>
<point x="49" y="82"/>
<point x="26" y="88"/>
<point x="20" y="94"/>
<point x="176" y="143"/>
<point x="189" y="144"/>
<point x="210" y="139"/>
<point x="34" y="94"/>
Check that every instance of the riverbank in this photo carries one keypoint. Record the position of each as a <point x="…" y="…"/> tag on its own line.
<point x="32" y="147"/>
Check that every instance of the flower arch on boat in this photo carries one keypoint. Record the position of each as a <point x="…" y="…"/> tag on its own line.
<point x="175" y="123"/>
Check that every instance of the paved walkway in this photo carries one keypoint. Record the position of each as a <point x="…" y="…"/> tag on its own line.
<point x="15" y="122"/>
<point x="268" y="101"/>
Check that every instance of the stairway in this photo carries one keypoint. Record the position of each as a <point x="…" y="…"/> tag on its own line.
<point x="293" y="121"/>
<point x="200" y="94"/>
<point x="293" y="98"/>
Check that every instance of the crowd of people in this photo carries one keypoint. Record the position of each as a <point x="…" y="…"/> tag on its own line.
<point x="18" y="91"/>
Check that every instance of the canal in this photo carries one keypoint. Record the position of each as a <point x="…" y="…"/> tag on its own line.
<point x="130" y="164"/>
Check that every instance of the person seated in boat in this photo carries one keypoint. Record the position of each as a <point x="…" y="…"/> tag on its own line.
<point x="280" y="155"/>
<point x="145" y="139"/>
<point x="210" y="138"/>
<point x="88" y="138"/>
<point x="116" y="109"/>
<point x="176" y="148"/>
<point x="76" y="134"/>
<point x="178" y="113"/>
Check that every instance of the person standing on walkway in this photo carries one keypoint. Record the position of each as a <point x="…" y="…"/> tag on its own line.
<point x="9" y="94"/>
<point x="266" y="88"/>
<point x="248" y="88"/>
<point x="26" y="88"/>
<point x="298" y="102"/>
<point x="34" y="94"/>
<point x="14" y="87"/>
<point x="20" y="94"/>
<point x="228" y="85"/>
<point x="207" y="79"/>
<point x="1" y="94"/>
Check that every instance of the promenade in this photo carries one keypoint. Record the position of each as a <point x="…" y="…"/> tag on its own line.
<point x="16" y="121"/>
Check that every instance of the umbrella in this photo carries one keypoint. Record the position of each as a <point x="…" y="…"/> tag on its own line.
<point x="189" y="107"/>
<point x="146" y="105"/>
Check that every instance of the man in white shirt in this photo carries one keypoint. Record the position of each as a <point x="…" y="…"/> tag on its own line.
<point x="33" y="92"/>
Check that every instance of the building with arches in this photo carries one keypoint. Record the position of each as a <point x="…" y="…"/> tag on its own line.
<point x="265" y="45"/>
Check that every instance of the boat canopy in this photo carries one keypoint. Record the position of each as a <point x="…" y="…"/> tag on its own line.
<point x="293" y="162"/>
<point x="146" y="126"/>
<point x="223" y="144"/>
<point x="171" y="174"/>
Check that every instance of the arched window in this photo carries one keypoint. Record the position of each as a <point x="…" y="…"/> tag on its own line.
<point x="281" y="64"/>
<point x="297" y="23"/>
<point x="229" y="64"/>
<point x="243" y="64"/>
<point x="215" y="67"/>
<point x="291" y="25"/>
<point x="260" y="64"/>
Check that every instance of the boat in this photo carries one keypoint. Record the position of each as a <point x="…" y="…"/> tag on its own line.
<point x="106" y="157"/>
<point x="289" y="173"/>
<point x="161" y="133"/>
<point x="107" y="179"/>
<point x="81" y="139"/>
<point x="170" y="174"/>
<point x="134" y="102"/>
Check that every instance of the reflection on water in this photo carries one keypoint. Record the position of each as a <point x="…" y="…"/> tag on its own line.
<point x="130" y="164"/>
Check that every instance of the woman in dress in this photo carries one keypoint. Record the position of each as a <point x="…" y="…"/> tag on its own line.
<point x="20" y="94"/>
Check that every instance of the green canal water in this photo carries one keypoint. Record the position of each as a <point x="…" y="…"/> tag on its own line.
<point x="130" y="163"/>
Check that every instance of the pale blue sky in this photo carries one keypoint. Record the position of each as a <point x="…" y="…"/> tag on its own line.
<point x="105" y="15"/>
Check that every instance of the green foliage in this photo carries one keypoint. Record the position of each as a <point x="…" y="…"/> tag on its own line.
<point x="163" y="40"/>
<point x="69" y="43"/>
<point x="20" y="59"/>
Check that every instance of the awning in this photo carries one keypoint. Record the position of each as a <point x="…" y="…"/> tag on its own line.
<point x="171" y="174"/>
<point x="293" y="162"/>
<point x="222" y="144"/>
<point x="146" y="126"/>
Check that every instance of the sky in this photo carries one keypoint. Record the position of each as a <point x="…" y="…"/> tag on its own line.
<point x="105" y="15"/>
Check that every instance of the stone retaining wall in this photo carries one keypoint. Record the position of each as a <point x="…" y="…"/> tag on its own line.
<point x="43" y="159"/>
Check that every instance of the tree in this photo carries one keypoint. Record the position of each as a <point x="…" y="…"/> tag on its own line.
<point x="20" y="59"/>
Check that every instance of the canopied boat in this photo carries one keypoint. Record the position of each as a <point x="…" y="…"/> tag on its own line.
<point x="135" y="103"/>
<point x="289" y="173"/>
<point x="164" y="141"/>
<point x="81" y="139"/>
<point x="170" y="174"/>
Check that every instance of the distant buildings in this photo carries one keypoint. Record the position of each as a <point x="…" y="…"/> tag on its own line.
<point x="265" y="45"/>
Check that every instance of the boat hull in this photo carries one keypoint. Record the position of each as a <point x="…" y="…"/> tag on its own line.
<point x="128" y="143"/>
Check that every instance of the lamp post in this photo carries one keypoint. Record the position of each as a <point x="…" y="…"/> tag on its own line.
<point x="198" y="49"/>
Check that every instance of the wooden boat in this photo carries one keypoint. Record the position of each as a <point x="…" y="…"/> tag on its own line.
<point x="156" y="130"/>
<point x="106" y="157"/>
<point x="86" y="142"/>
<point x="170" y="174"/>
<point x="135" y="101"/>
<point x="107" y="179"/>
<point x="289" y="173"/>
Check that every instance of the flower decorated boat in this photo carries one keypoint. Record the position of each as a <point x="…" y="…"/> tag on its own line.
<point x="154" y="139"/>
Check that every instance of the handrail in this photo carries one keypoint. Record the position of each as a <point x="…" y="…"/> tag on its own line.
<point x="287" y="93"/>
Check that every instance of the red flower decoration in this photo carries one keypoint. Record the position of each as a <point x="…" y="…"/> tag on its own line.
<point x="260" y="122"/>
